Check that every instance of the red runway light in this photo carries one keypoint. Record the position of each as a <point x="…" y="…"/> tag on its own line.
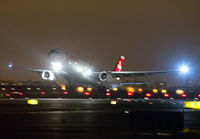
<point x="148" y="95"/>
<point x="107" y="94"/>
<point x="87" y="93"/>
<point x="66" y="93"/>
<point x="183" y="95"/>
<point x="166" y="95"/>
<point x="42" y="93"/>
<point x="20" y="94"/>
<point x="130" y="93"/>
<point x="7" y="95"/>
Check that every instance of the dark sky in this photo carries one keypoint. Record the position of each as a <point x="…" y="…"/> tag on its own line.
<point x="151" y="34"/>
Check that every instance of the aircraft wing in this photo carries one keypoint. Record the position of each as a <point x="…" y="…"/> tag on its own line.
<point x="27" y="69"/>
<point x="138" y="73"/>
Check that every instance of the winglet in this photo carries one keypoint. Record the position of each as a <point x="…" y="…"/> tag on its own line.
<point x="119" y="64"/>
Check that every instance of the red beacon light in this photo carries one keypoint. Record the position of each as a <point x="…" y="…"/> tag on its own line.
<point x="198" y="95"/>
<point x="7" y="95"/>
<point x="20" y="94"/>
<point x="183" y="95"/>
<point x="130" y="93"/>
<point x="87" y="93"/>
<point x="148" y="95"/>
<point x="107" y="94"/>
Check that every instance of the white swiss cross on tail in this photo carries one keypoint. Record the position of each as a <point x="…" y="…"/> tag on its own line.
<point x="119" y="65"/>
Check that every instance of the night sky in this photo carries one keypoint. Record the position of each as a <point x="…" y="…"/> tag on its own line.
<point x="151" y="34"/>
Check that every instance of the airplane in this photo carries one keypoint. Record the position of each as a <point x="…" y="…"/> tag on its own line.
<point x="69" y="70"/>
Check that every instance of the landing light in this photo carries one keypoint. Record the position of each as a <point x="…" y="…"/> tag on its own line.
<point x="184" y="69"/>
<point x="88" y="72"/>
<point x="56" y="66"/>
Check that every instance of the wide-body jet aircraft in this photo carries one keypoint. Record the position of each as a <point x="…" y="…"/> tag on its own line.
<point x="69" y="70"/>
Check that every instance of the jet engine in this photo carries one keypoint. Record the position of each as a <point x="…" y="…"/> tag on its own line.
<point x="48" y="75"/>
<point x="103" y="76"/>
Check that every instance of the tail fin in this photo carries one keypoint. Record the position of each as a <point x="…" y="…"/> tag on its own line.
<point x="119" y="64"/>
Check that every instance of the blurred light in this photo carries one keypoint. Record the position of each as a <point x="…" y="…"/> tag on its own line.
<point x="130" y="89"/>
<point x="65" y="93"/>
<point x="107" y="90"/>
<point x="7" y="95"/>
<point x="3" y="89"/>
<point x="20" y="94"/>
<point x="113" y="102"/>
<point x="166" y="95"/>
<point x="89" y="89"/>
<point x="184" y="69"/>
<point x="54" y="88"/>
<point x="192" y="104"/>
<point x="80" y="89"/>
<point x="130" y="93"/>
<point x="163" y="91"/>
<point x="12" y="88"/>
<point x="115" y="89"/>
<point x="198" y="95"/>
<point x="155" y="91"/>
<point x="107" y="94"/>
<point x="38" y="88"/>
<point x="10" y="66"/>
<point x="148" y="95"/>
<point x="32" y="101"/>
<point x="28" y="88"/>
<point x="179" y="91"/>
<point x="183" y="95"/>
<point x="43" y="93"/>
<point x="63" y="87"/>
<point x="56" y="66"/>
<point x="140" y="89"/>
<point x="87" y="93"/>
<point x="126" y="112"/>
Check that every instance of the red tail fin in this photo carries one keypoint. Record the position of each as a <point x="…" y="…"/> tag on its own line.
<point x="119" y="65"/>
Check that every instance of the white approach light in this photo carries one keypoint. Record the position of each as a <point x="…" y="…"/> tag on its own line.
<point x="56" y="66"/>
<point x="184" y="69"/>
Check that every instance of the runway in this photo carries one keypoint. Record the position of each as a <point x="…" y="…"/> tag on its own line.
<point x="82" y="118"/>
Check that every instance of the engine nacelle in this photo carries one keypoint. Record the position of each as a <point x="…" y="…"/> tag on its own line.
<point x="48" y="75"/>
<point x="103" y="76"/>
